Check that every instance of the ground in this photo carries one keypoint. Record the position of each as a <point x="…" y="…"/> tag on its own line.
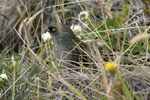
<point x="119" y="29"/>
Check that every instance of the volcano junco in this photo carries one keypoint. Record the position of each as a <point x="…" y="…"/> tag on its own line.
<point x="69" y="49"/>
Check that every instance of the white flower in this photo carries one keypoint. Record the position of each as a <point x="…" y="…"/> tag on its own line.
<point x="46" y="36"/>
<point x="3" y="76"/>
<point x="83" y="15"/>
<point x="72" y="26"/>
<point x="76" y="28"/>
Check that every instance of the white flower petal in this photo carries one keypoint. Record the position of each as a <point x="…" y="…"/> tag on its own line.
<point x="71" y="27"/>
<point x="46" y="36"/>
<point x="3" y="76"/>
<point x="83" y="15"/>
<point x="76" y="28"/>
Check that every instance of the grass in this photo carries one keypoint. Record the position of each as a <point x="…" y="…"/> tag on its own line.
<point x="35" y="73"/>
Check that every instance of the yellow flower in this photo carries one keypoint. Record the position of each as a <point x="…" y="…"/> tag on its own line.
<point x="110" y="66"/>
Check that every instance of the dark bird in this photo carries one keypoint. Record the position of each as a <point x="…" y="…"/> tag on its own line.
<point x="69" y="49"/>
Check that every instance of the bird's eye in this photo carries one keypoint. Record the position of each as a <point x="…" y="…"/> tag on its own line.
<point x="52" y="29"/>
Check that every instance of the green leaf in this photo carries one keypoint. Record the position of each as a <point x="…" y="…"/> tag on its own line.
<point x="2" y="60"/>
<point x="146" y="11"/>
<point x="124" y="85"/>
<point x="148" y="0"/>
<point x="111" y="23"/>
<point x="21" y="80"/>
<point x="1" y="69"/>
<point x="33" y="71"/>
<point x="68" y="14"/>
<point x="126" y="8"/>
<point x="95" y="12"/>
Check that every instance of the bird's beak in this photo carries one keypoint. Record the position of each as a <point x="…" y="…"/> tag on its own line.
<point x="46" y="28"/>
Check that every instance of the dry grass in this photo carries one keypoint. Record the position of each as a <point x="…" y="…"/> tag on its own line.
<point x="35" y="73"/>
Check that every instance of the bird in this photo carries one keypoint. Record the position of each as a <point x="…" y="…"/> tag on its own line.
<point x="69" y="49"/>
